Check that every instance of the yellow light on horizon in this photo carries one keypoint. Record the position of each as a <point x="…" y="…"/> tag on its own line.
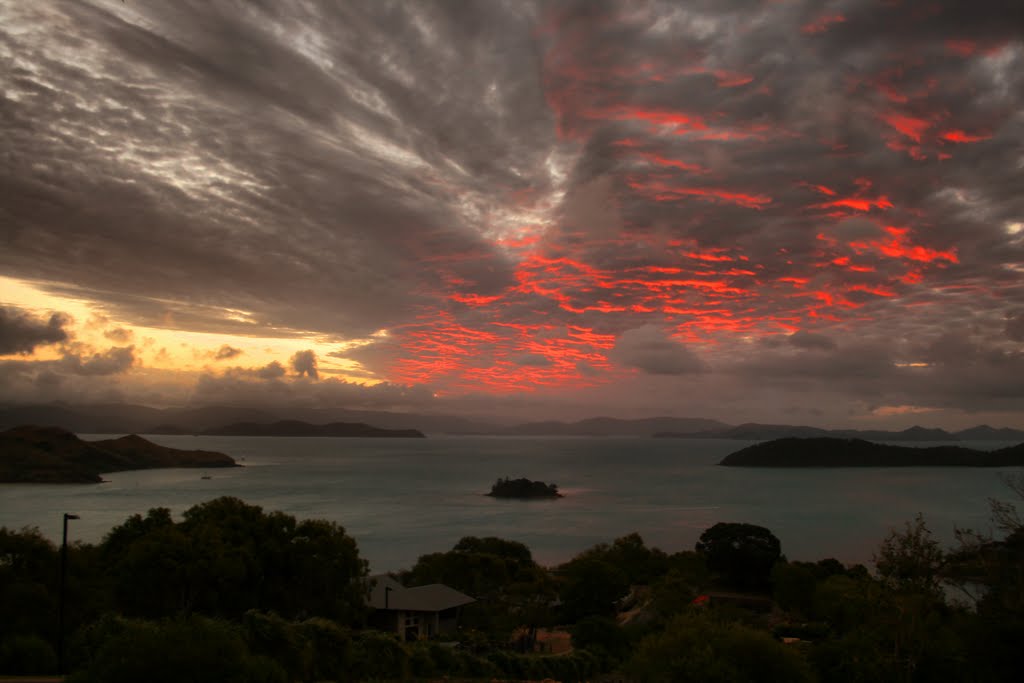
<point x="190" y="351"/>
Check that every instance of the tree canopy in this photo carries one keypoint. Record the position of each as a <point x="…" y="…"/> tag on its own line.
<point x="227" y="557"/>
<point x="743" y="554"/>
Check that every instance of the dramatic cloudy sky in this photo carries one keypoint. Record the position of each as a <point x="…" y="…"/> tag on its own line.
<point x="774" y="210"/>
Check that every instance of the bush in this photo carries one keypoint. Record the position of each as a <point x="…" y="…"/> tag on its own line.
<point x="377" y="655"/>
<point x="577" y="666"/>
<point x="472" y="666"/>
<point x="793" y="585"/>
<point x="602" y="636"/>
<point x="271" y="636"/>
<point x="27" y="656"/>
<point x="673" y="593"/>
<point x="697" y="648"/>
<point x="189" y="650"/>
<point x="590" y="587"/>
<point x="328" y="649"/>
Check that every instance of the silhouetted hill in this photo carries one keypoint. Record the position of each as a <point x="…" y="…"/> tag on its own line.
<point x="52" y="455"/>
<point x="127" y="418"/>
<point x="986" y="433"/>
<point x="119" y="418"/>
<point x="764" y="432"/>
<point x="750" y="431"/>
<point x="115" y="418"/>
<point x="297" y="428"/>
<point x="427" y="423"/>
<point x="833" y="452"/>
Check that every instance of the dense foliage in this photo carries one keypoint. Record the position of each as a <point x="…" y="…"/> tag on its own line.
<point x="743" y="554"/>
<point x="697" y="647"/>
<point x="233" y="593"/>
<point x="227" y="557"/>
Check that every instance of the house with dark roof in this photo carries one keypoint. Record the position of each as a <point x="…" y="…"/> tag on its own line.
<point x="414" y="613"/>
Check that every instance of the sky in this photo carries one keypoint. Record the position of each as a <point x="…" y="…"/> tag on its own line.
<point x="774" y="211"/>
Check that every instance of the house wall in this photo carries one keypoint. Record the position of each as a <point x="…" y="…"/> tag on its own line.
<point x="411" y="625"/>
<point x="406" y="624"/>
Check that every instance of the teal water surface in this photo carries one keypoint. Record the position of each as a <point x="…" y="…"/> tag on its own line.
<point x="401" y="498"/>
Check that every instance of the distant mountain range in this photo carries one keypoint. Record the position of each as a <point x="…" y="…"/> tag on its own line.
<point x="298" y="428"/>
<point x="128" y="419"/>
<point x="114" y="418"/>
<point x="764" y="432"/>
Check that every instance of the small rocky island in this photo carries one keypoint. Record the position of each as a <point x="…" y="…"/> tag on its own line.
<point x="523" y="488"/>
<point x="832" y="452"/>
<point x="49" y="455"/>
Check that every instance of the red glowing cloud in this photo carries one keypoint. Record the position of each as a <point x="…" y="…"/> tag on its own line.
<point x="961" y="48"/>
<point x="696" y="184"/>
<point x="822" y="24"/>
<point x="677" y="120"/>
<point x="861" y="204"/>
<point x="672" y="163"/>
<point x="663" y="192"/>
<point x="898" y="245"/>
<point x="909" y="126"/>
<point x="731" y="79"/>
<point x="493" y="197"/>
<point x="959" y="136"/>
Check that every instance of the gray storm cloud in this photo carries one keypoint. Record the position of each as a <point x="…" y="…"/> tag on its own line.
<point x="810" y="340"/>
<point x="305" y="364"/>
<point x="113" y="361"/>
<point x="21" y="332"/>
<point x="226" y="352"/>
<point x="533" y="194"/>
<point x="651" y="350"/>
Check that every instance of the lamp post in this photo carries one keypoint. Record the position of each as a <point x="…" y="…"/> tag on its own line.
<point x="60" y="594"/>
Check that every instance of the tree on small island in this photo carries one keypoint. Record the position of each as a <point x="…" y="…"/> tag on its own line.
<point x="523" y="488"/>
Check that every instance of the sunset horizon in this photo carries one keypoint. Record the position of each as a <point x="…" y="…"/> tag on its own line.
<point x="779" y="212"/>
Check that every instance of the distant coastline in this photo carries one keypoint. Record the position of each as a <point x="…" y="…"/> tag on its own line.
<point x="762" y="432"/>
<point x="223" y="420"/>
<point x="298" y="428"/>
<point x="835" y="452"/>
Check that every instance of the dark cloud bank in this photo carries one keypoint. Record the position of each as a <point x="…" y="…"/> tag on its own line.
<point x="21" y="333"/>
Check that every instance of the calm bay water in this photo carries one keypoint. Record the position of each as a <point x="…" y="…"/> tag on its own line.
<point x="401" y="498"/>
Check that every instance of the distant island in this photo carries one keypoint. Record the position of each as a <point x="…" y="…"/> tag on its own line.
<point x="49" y="455"/>
<point x="833" y="452"/>
<point x="753" y="431"/>
<point x="523" y="488"/>
<point x="298" y="428"/>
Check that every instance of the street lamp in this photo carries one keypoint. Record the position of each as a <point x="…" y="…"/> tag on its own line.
<point x="60" y="594"/>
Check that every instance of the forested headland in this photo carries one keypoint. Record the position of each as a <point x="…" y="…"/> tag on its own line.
<point x="51" y="455"/>
<point x="232" y="592"/>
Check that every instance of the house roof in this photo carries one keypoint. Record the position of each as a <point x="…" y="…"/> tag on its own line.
<point x="434" y="597"/>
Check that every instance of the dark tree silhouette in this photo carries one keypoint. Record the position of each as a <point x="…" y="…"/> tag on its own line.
<point x="742" y="554"/>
